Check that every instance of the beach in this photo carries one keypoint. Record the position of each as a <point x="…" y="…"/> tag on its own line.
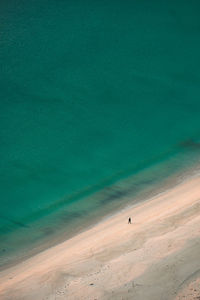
<point x="99" y="109"/>
<point x="99" y="123"/>
<point x="156" y="257"/>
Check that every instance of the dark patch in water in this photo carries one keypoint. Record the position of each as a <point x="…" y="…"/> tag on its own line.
<point x="146" y="182"/>
<point x="68" y="217"/>
<point x="20" y="224"/>
<point x="191" y="144"/>
<point x="47" y="231"/>
<point x="114" y="195"/>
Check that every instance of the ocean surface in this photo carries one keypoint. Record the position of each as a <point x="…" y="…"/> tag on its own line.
<point x="99" y="101"/>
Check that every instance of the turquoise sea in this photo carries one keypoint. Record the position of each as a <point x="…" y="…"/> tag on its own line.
<point x="99" y="101"/>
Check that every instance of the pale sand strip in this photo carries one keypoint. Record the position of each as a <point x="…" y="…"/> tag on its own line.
<point x="155" y="258"/>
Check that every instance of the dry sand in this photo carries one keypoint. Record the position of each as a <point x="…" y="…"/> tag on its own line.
<point x="155" y="258"/>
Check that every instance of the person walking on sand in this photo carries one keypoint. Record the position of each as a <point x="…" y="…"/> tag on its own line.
<point x="129" y="220"/>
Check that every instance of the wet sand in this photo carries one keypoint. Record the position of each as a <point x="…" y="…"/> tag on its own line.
<point x="156" y="257"/>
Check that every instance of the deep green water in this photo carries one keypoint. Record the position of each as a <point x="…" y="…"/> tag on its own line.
<point x="91" y="92"/>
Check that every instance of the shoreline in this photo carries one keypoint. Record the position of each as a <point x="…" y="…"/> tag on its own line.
<point x="132" y="200"/>
<point x="103" y="248"/>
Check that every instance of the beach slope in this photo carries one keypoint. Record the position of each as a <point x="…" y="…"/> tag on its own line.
<point x="156" y="257"/>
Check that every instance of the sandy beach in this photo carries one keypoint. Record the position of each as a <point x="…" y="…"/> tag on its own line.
<point x="157" y="257"/>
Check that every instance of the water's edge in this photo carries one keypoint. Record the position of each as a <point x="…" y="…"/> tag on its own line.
<point x="67" y="222"/>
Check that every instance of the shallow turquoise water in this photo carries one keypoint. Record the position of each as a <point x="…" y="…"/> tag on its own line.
<point x="91" y="92"/>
